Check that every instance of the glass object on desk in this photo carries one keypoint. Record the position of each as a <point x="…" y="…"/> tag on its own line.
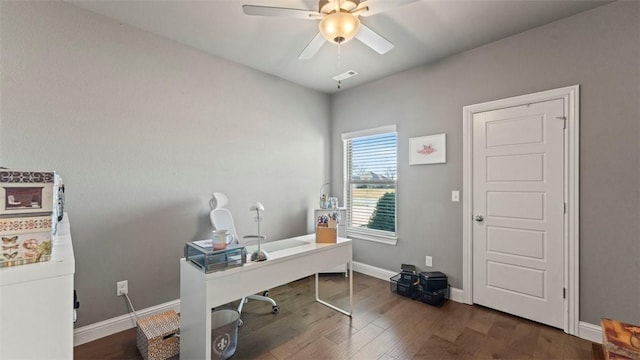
<point x="202" y="255"/>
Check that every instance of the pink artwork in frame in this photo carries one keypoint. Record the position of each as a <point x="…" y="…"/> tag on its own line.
<point x="430" y="149"/>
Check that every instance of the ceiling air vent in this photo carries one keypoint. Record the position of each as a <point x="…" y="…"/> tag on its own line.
<point x="345" y="75"/>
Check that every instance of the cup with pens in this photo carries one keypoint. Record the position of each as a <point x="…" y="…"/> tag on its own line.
<point x="328" y="220"/>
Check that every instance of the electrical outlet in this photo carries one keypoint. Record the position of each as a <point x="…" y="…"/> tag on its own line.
<point x="428" y="261"/>
<point x="122" y="287"/>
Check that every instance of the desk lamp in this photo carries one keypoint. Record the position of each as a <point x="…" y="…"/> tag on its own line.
<point x="259" y="255"/>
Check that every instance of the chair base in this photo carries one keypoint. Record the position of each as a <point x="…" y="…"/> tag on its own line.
<point x="274" y="306"/>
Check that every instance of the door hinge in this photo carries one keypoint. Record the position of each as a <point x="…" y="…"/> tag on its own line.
<point x="565" y="207"/>
<point x="564" y="293"/>
<point x="564" y="121"/>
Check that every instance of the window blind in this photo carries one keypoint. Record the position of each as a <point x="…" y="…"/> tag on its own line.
<point x="370" y="183"/>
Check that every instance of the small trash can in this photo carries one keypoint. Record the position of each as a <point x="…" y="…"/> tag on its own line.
<point x="224" y="333"/>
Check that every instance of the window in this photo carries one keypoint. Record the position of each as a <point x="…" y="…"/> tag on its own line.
<point x="370" y="171"/>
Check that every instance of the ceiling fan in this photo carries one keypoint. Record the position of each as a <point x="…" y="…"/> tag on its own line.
<point x="339" y="22"/>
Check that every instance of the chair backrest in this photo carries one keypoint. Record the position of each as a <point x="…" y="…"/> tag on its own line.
<point x="218" y="200"/>
<point x="221" y="217"/>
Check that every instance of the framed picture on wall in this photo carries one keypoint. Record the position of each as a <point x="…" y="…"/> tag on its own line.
<point x="430" y="149"/>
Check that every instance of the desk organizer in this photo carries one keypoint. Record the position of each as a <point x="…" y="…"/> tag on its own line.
<point x="326" y="235"/>
<point x="327" y="225"/>
<point x="209" y="260"/>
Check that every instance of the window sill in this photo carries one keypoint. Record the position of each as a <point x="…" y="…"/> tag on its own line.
<point x="379" y="238"/>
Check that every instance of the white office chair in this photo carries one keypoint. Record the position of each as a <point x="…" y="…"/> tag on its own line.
<point x="221" y="219"/>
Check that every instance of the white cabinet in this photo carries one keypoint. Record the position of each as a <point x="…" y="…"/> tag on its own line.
<point x="36" y="304"/>
<point x="342" y="231"/>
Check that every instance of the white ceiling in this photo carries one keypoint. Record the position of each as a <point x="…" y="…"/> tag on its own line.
<point x="422" y="31"/>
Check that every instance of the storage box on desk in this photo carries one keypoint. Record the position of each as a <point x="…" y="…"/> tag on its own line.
<point x="327" y="235"/>
<point x="25" y="240"/>
<point x="156" y="336"/>
<point x="26" y="192"/>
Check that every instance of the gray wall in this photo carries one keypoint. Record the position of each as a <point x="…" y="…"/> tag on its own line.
<point x="143" y="130"/>
<point x="598" y="49"/>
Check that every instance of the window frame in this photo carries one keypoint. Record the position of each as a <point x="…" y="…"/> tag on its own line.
<point x="379" y="236"/>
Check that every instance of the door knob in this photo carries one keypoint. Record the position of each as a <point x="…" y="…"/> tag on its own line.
<point x="479" y="218"/>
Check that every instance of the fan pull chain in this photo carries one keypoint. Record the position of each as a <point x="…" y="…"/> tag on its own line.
<point x="338" y="9"/>
<point x="339" y="65"/>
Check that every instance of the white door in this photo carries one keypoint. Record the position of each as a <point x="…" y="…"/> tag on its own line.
<point x="518" y="208"/>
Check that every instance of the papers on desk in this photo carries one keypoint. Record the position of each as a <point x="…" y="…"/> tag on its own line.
<point x="204" y="243"/>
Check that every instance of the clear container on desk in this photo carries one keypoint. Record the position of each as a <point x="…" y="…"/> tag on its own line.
<point x="209" y="260"/>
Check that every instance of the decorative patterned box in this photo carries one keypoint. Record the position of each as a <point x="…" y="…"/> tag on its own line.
<point x="156" y="336"/>
<point x="620" y="340"/>
<point x="25" y="240"/>
<point x="25" y="192"/>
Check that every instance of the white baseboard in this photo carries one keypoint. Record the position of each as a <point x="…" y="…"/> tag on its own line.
<point x="382" y="274"/>
<point x="111" y="326"/>
<point x="373" y="271"/>
<point x="590" y="332"/>
<point x="455" y="294"/>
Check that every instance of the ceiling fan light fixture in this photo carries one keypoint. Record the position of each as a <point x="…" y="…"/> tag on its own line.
<point x="339" y="27"/>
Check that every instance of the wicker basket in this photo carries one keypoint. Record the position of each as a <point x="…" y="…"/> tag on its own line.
<point x="156" y="336"/>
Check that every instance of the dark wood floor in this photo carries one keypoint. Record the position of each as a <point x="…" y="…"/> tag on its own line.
<point x="384" y="326"/>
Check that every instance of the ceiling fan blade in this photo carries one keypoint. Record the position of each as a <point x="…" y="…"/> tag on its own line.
<point x="374" y="7"/>
<point x="256" y="10"/>
<point x="362" y="7"/>
<point x="373" y="40"/>
<point x="312" y="48"/>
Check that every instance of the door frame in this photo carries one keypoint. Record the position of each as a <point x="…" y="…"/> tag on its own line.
<point x="571" y="97"/>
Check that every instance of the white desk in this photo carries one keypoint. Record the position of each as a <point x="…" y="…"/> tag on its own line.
<point x="200" y="292"/>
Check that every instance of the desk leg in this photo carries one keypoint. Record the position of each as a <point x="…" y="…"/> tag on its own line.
<point x="195" y="315"/>
<point x="348" y="313"/>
